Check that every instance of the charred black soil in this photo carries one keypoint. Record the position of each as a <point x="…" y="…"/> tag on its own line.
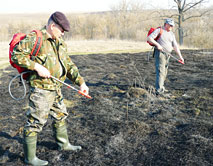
<point x="125" y="123"/>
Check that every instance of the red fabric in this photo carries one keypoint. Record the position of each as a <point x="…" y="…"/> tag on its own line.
<point x="16" y="39"/>
<point x="152" y="30"/>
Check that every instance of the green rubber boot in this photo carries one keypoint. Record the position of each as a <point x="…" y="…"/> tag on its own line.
<point x="29" y="145"/>
<point x="61" y="137"/>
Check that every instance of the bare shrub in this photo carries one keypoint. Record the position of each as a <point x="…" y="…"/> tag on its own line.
<point x="121" y="24"/>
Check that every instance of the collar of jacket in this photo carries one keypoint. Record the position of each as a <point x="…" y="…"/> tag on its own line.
<point x="47" y="36"/>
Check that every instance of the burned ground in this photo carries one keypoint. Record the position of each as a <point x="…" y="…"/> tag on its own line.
<point x="124" y="123"/>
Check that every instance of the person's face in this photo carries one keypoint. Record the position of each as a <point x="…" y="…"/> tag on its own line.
<point x="57" y="31"/>
<point x="168" y="27"/>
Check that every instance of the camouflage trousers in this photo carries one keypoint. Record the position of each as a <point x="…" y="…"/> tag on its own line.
<point x="161" y="67"/>
<point x="43" y="103"/>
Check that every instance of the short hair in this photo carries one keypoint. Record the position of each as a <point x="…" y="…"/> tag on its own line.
<point x="50" y="21"/>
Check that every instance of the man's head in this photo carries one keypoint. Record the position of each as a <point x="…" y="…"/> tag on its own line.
<point x="169" y="24"/>
<point x="57" y="24"/>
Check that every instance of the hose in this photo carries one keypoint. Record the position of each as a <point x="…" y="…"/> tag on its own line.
<point x="22" y="82"/>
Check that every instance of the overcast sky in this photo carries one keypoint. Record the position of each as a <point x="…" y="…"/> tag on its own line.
<point x="48" y="6"/>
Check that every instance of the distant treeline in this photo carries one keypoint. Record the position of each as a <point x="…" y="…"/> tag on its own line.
<point x="121" y="25"/>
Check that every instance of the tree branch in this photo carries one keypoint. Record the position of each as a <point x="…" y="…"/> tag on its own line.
<point x="184" y="3"/>
<point x="197" y="15"/>
<point x="192" y="5"/>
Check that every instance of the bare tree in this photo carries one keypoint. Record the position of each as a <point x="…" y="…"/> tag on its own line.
<point x="127" y="14"/>
<point x="183" y="8"/>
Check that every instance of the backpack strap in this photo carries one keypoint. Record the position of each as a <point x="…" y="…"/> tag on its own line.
<point x="37" y="44"/>
<point x="161" y="31"/>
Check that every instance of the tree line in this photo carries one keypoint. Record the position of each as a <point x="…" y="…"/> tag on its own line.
<point x="118" y="24"/>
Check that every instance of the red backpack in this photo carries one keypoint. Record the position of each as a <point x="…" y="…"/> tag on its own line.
<point x="16" y="39"/>
<point x="152" y="30"/>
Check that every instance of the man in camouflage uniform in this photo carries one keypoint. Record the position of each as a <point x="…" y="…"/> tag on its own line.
<point x="164" y="45"/>
<point x="45" y="97"/>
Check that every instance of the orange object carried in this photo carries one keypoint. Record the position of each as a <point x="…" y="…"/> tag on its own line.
<point x="69" y="86"/>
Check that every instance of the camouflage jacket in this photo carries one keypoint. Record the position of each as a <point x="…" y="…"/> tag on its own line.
<point x="52" y="55"/>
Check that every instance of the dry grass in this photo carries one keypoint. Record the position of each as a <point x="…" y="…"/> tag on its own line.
<point x="87" y="47"/>
<point x="78" y="47"/>
<point x="4" y="57"/>
<point x="106" y="46"/>
<point x="110" y="25"/>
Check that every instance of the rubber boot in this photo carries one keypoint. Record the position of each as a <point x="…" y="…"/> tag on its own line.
<point x="29" y="145"/>
<point x="61" y="137"/>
